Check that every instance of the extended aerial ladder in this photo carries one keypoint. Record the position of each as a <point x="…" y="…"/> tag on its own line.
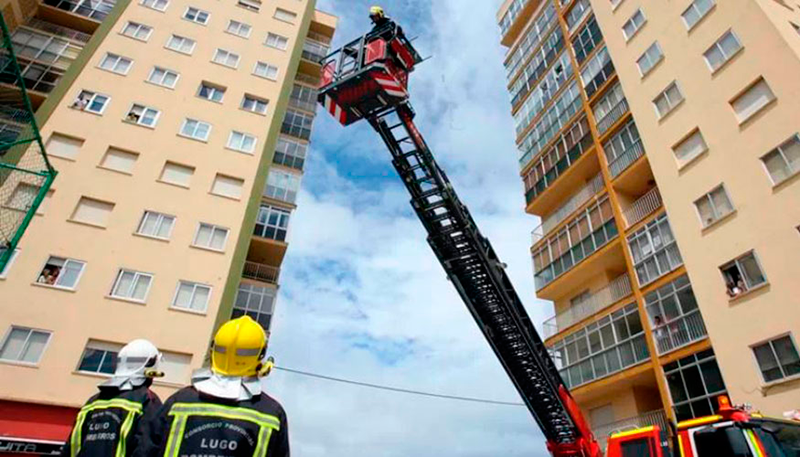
<point x="367" y="79"/>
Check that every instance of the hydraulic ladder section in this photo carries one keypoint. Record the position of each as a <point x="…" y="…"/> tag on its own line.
<point x="478" y="275"/>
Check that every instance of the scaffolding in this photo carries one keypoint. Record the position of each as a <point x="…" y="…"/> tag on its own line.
<point x="25" y="172"/>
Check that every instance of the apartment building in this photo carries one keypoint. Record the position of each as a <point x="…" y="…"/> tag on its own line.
<point x="180" y="130"/>
<point x="658" y="143"/>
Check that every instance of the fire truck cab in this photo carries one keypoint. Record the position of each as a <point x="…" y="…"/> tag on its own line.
<point x="733" y="432"/>
<point x="368" y="75"/>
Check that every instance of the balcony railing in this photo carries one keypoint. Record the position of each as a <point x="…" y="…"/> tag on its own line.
<point x="616" y="290"/>
<point x="261" y="272"/>
<point x="303" y="104"/>
<point x="613" y="116"/>
<point x="319" y="37"/>
<point x="307" y="79"/>
<point x="603" y="431"/>
<point x="604" y="75"/>
<point x="643" y="207"/>
<point x="57" y="30"/>
<point x="97" y="10"/>
<point x="314" y="51"/>
<point x="576" y="200"/>
<point x="680" y="332"/>
<point x="558" y="169"/>
<point x="624" y="160"/>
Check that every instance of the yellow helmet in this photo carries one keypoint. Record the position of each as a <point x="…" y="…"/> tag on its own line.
<point x="376" y="11"/>
<point x="239" y="346"/>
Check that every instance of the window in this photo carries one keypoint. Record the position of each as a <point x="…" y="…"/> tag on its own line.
<point x="227" y="186"/>
<point x="7" y="267"/>
<point x="290" y="153"/>
<point x="211" y="237"/>
<point x="713" y="206"/>
<point x="654" y="250"/>
<point x="272" y="223"/>
<point x="191" y="296"/>
<point x="286" y="16"/>
<point x="689" y="148"/>
<point x="63" y="146"/>
<point x="44" y="47"/>
<point x="226" y="58"/>
<point x="674" y="316"/>
<point x="694" y="384"/>
<point x="242" y="142"/>
<point x="609" y="108"/>
<point x="93" y="212"/>
<point x="119" y="160"/>
<point x="722" y="51"/>
<point x="783" y="161"/>
<point x="175" y="367"/>
<point x="254" y="104"/>
<point x="252" y="5"/>
<point x="623" y="148"/>
<point x="266" y="70"/>
<point x="633" y="24"/>
<point x="303" y="97"/>
<point x="282" y="185"/>
<point x="777" y="359"/>
<point x="668" y="99"/>
<point x="177" y="174"/>
<point x="196" y="15"/>
<point x="276" y="41"/>
<point x="142" y="115"/>
<point x="61" y="272"/>
<point x="752" y="101"/>
<point x="132" y="285"/>
<point x="181" y="44"/>
<point x="743" y="274"/>
<point x="211" y="92"/>
<point x="91" y="102"/>
<point x="99" y="357"/>
<point x="21" y="199"/>
<point x="297" y="124"/>
<point x="596" y="71"/>
<point x="159" y="5"/>
<point x="116" y="64"/>
<point x="156" y="225"/>
<point x="163" y="77"/>
<point x="604" y="347"/>
<point x="24" y="345"/>
<point x="586" y="39"/>
<point x="198" y="130"/>
<point x="238" y="28"/>
<point x="255" y="301"/>
<point x="137" y="31"/>
<point x="577" y="13"/>
<point x="649" y="59"/>
<point x="696" y="11"/>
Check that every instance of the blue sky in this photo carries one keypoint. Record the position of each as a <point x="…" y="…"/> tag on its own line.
<point x="362" y="296"/>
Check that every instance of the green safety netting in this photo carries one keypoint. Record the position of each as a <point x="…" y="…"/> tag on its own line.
<point x="25" y="172"/>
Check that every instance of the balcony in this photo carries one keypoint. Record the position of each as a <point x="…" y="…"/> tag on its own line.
<point x="261" y="272"/>
<point x="57" y="30"/>
<point x="597" y="82"/>
<point x="604" y="431"/>
<point x="680" y="332"/>
<point x="615" y="291"/>
<point x="314" y="51"/>
<point x="589" y="190"/>
<point x="643" y="207"/>
<point x="82" y="15"/>
<point x="510" y="24"/>
<point x="624" y="160"/>
<point x="615" y="114"/>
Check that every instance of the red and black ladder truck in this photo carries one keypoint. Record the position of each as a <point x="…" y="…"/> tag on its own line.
<point x="368" y="79"/>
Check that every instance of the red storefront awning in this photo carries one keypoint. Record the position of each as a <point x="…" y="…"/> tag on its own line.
<point x="30" y="428"/>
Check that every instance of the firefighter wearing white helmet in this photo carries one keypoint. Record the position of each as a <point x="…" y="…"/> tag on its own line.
<point x="225" y="412"/>
<point x="110" y="424"/>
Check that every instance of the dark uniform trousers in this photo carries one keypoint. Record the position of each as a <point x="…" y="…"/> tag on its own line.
<point x="110" y="423"/>
<point x="192" y="424"/>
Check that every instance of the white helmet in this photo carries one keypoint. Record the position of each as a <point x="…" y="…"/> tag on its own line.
<point x="136" y="362"/>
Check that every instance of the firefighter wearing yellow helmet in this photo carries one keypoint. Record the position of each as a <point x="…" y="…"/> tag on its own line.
<point x="224" y="413"/>
<point x="379" y="18"/>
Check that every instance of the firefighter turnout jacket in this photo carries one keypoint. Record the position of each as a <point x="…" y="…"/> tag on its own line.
<point x="193" y="424"/>
<point x="111" y="422"/>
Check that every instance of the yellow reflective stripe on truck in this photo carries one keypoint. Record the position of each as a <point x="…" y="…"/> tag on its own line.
<point x="267" y="423"/>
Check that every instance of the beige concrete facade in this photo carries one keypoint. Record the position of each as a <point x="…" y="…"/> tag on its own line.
<point x="621" y="235"/>
<point x="224" y="190"/>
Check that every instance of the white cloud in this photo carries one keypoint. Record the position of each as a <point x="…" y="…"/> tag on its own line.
<point x="362" y="295"/>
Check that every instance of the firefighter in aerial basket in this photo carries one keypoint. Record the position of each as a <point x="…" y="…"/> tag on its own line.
<point x="112" y="421"/>
<point x="225" y="412"/>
